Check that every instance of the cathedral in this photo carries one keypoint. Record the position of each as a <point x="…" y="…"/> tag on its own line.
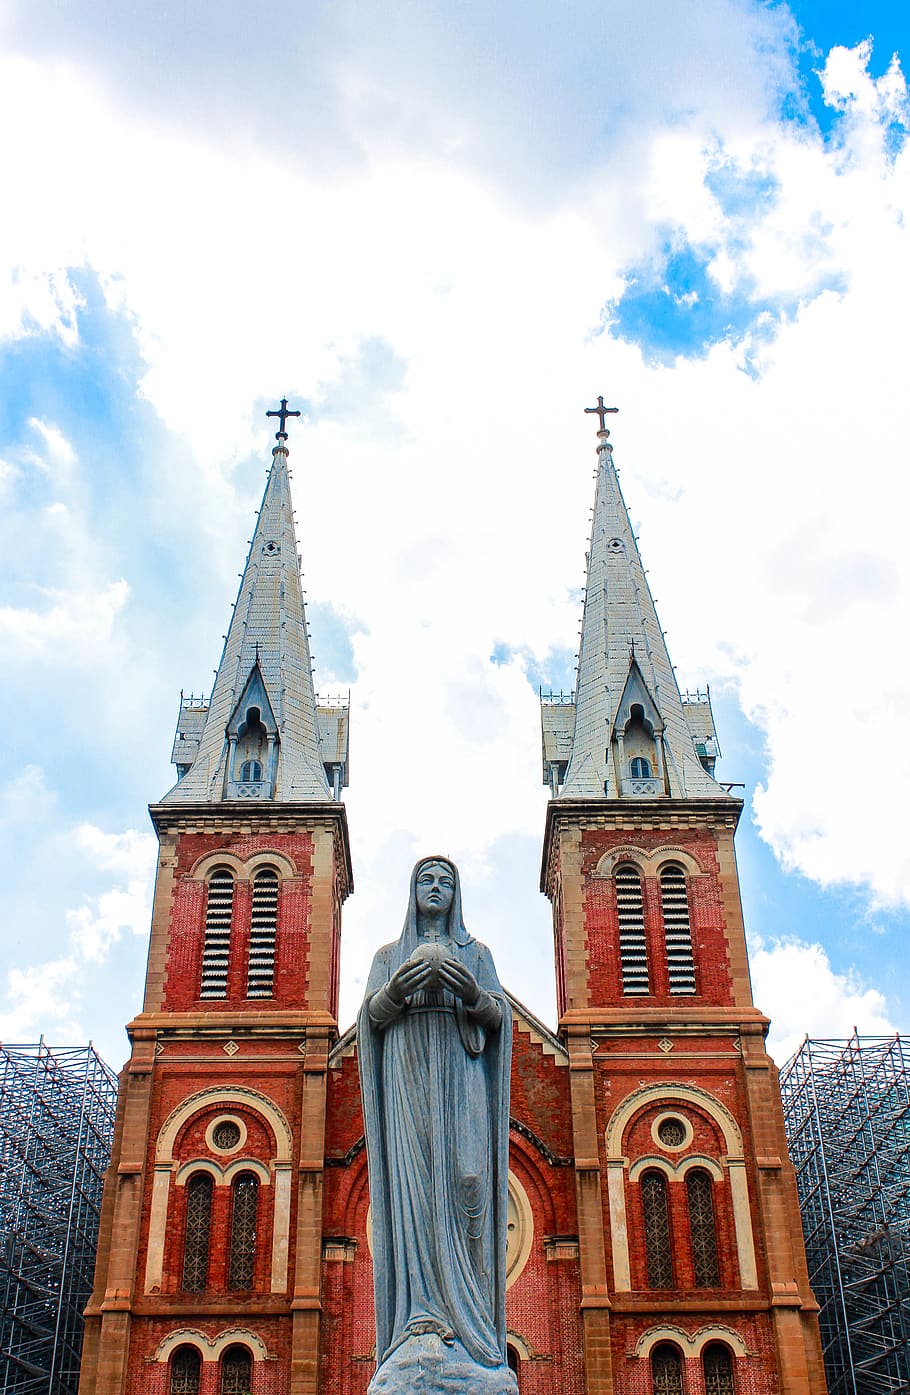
<point x="654" y="1235"/>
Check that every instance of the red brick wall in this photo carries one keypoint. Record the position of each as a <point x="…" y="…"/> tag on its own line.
<point x="706" y="917"/>
<point x="187" y="924"/>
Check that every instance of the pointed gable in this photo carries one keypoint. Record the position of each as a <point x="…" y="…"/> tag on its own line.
<point x="266" y="657"/>
<point x="623" y="664"/>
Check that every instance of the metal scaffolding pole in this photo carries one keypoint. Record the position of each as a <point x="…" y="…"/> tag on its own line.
<point x="847" y="1115"/>
<point x="57" y="1110"/>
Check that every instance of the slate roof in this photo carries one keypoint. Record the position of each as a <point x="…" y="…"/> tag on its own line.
<point x="620" y="627"/>
<point x="269" y="613"/>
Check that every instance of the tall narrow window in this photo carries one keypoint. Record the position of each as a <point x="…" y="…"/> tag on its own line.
<point x="244" y="1205"/>
<point x="633" y="953"/>
<point x="656" y="1211"/>
<point x="261" y="976"/>
<point x="198" y="1229"/>
<point x="185" y="1369"/>
<point x="718" y="1368"/>
<point x="217" y="945"/>
<point x="236" y="1372"/>
<point x="677" y="933"/>
<point x="666" y="1370"/>
<point x="699" y="1194"/>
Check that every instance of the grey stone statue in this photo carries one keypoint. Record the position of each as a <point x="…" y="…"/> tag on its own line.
<point x="434" y="1044"/>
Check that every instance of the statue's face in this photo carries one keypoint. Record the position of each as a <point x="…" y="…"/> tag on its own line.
<point x="435" y="888"/>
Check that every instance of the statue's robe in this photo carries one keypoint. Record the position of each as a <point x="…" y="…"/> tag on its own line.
<point x="435" y="1086"/>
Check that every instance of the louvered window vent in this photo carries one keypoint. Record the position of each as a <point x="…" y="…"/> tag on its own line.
<point x="217" y="944"/>
<point x="633" y="952"/>
<point x="677" y="931"/>
<point x="263" y="927"/>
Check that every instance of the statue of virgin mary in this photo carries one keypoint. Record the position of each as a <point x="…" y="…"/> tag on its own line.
<point x="434" y="1044"/>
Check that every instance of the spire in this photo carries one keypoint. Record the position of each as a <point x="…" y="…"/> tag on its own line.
<point x="630" y="736"/>
<point x="258" y="738"/>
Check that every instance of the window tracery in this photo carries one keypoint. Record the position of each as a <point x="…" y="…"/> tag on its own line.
<point x="718" y="1370"/>
<point x="236" y="1372"/>
<point x="658" y="1246"/>
<point x="263" y="926"/>
<point x="186" y="1365"/>
<point x="702" y="1228"/>
<point x="677" y="930"/>
<point x="219" y="909"/>
<point x="198" y="1231"/>
<point x="244" y="1209"/>
<point x="633" y="952"/>
<point x="666" y="1370"/>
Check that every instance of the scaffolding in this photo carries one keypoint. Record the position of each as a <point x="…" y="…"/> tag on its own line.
<point x="847" y="1115"/>
<point x="56" y="1130"/>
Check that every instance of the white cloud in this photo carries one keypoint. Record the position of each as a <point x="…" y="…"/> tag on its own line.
<point x="55" y="997"/>
<point x="477" y="233"/>
<point x="794" y="983"/>
<point x="71" y="627"/>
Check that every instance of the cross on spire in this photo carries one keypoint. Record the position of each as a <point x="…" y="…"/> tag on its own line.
<point x="601" y="411"/>
<point x="283" y="414"/>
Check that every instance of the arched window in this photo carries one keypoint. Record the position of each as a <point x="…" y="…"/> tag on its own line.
<point x="264" y="919"/>
<point x="250" y="770"/>
<point x="639" y="768"/>
<point x="514" y="1361"/>
<point x="186" y="1364"/>
<point x="633" y="954"/>
<point x="217" y="944"/>
<point x="666" y="1370"/>
<point x="244" y="1205"/>
<point x="677" y="932"/>
<point x="718" y="1368"/>
<point x="198" y="1229"/>
<point x="699" y="1195"/>
<point x="656" y="1212"/>
<point x="236" y="1372"/>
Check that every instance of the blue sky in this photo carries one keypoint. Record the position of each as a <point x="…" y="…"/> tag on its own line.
<point x="443" y="231"/>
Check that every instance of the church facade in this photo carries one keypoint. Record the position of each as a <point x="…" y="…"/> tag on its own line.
<point x="655" y="1242"/>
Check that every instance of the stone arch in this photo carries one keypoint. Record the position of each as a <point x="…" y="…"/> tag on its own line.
<point x="675" y="1171"/>
<point x="660" y="857"/>
<point x="616" y="856"/>
<point x="667" y="1092"/>
<point x="243" y="868"/>
<point x="280" y="1176"/>
<point x="183" y="1337"/>
<point x="269" y="857"/>
<point x="691" y="1343"/>
<point x="519" y="1343"/>
<point x="618" y="1168"/>
<point x="188" y="1169"/>
<point x="247" y="1165"/>
<point x="205" y="865"/>
<point x="239" y="1337"/>
<point x="648" y="863"/>
<point x="224" y="1095"/>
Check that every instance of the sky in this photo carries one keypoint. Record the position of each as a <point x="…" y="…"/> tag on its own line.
<point x="441" y="230"/>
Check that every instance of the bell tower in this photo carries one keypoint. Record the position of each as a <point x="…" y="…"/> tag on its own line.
<point x="209" y="1261"/>
<point x="692" y="1264"/>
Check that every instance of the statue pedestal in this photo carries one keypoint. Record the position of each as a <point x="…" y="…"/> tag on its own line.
<point x="427" y="1365"/>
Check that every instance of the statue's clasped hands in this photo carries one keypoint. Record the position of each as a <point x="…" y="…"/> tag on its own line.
<point x="417" y="973"/>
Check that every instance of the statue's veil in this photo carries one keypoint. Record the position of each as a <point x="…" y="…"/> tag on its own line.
<point x="409" y="939"/>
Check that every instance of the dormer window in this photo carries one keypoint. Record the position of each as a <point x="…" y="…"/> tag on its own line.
<point x="253" y="736"/>
<point x="640" y="768"/>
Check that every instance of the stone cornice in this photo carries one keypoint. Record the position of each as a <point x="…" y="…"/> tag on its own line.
<point x="632" y="814"/>
<point x="272" y="817"/>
